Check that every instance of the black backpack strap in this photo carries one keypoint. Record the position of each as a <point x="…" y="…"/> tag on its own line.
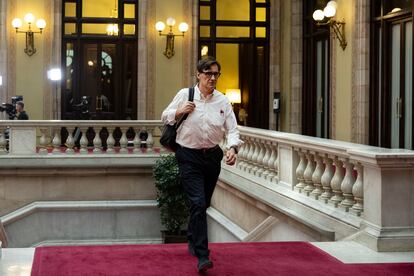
<point x="190" y="98"/>
<point x="191" y="94"/>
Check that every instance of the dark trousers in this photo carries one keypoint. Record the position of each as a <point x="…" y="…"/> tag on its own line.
<point x="199" y="171"/>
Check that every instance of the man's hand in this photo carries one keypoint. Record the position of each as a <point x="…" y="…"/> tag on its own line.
<point x="188" y="107"/>
<point x="231" y="156"/>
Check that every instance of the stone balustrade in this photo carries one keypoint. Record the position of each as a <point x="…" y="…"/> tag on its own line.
<point x="345" y="177"/>
<point x="78" y="137"/>
<point x="365" y="187"/>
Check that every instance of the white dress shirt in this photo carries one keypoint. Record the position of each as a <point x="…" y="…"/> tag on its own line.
<point x="205" y="127"/>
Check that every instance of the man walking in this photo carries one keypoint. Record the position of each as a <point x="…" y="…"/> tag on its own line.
<point x="199" y="156"/>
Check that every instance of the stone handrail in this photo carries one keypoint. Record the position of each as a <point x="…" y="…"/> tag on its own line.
<point x="89" y="136"/>
<point x="369" y="182"/>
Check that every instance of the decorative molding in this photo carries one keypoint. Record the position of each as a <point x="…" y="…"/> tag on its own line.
<point x="3" y="50"/>
<point x="296" y="63"/>
<point x="73" y="206"/>
<point x="11" y="50"/>
<point x="360" y="74"/>
<point x="332" y="112"/>
<point x="274" y="59"/>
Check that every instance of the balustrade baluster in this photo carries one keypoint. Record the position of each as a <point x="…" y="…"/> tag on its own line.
<point x="254" y="164"/>
<point x="150" y="140"/>
<point x="3" y="142"/>
<point x="316" y="177"/>
<point x="56" y="142"/>
<point x="310" y="168"/>
<point x="336" y="184"/>
<point x="268" y="151"/>
<point x="83" y="141"/>
<point x="123" y="142"/>
<point x="358" y="192"/>
<point x="110" y="141"/>
<point x="43" y="141"/>
<point x="300" y="171"/>
<point x="249" y="162"/>
<point x="326" y="179"/>
<point x="97" y="142"/>
<point x="271" y="163"/>
<point x="259" y="158"/>
<point x="70" y="141"/>
<point x="240" y="155"/>
<point x="137" y="141"/>
<point x="346" y="186"/>
<point x="244" y="152"/>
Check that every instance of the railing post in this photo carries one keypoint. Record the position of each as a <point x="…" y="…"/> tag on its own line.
<point x="22" y="140"/>
<point x="388" y="195"/>
<point x="286" y="163"/>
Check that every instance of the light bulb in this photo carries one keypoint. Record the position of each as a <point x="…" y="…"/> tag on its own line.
<point x="333" y="4"/>
<point x="160" y="26"/>
<point x="318" y="15"/>
<point x="110" y="29"/>
<point x="29" y="18"/>
<point x="41" y="23"/>
<point x="183" y="27"/>
<point x="329" y="11"/>
<point x="17" y="23"/>
<point x="170" y="21"/>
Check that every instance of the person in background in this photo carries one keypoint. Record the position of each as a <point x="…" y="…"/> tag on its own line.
<point x="20" y="112"/>
<point x="199" y="155"/>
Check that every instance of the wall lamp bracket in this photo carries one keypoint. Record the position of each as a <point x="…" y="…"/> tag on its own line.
<point x="170" y="36"/>
<point x="29" y="18"/>
<point x="339" y="30"/>
<point x="338" y="26"/>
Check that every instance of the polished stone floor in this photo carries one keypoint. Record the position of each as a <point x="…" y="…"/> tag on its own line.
<point x="18" y="261"/>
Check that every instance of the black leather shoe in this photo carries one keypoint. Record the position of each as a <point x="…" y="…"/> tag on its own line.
<point x="191" y="249"/>
<point x="204" y="264"/>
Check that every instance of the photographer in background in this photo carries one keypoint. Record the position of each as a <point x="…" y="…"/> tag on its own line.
<point x="20" y="112"/>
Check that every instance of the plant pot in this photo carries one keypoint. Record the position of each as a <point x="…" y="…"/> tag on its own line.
<point x="170" y="237"/>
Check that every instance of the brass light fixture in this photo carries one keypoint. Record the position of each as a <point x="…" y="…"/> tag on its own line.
<point x="338" y="26"/>
<point x="30" y="19"/>
<point x="169" y="47"/>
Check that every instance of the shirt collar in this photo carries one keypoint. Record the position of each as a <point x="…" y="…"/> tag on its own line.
<point x="198" y="93"/>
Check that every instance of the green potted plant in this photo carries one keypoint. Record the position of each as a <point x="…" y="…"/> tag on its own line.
<point x="171" y="198"/>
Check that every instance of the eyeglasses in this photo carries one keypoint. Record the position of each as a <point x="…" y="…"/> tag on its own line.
<point x="210" y="74"/>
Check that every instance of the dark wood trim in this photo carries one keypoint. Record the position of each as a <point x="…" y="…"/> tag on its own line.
<point x="311" y="35"/>
<point x="384" y="93"/>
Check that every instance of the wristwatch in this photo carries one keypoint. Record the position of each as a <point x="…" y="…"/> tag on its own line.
<point x="235" y="149"/>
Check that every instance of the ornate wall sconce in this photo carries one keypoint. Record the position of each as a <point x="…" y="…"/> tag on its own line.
<point x="338" y="26"/>
<point x="169" y="47"/>
<point x="29" y="18"/>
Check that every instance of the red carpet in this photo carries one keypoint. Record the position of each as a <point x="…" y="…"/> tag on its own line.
<point x="242" y="259"/>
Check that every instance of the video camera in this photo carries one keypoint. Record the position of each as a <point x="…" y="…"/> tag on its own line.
<point x="10" y="109"/>
<point x="81" y="110"/>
